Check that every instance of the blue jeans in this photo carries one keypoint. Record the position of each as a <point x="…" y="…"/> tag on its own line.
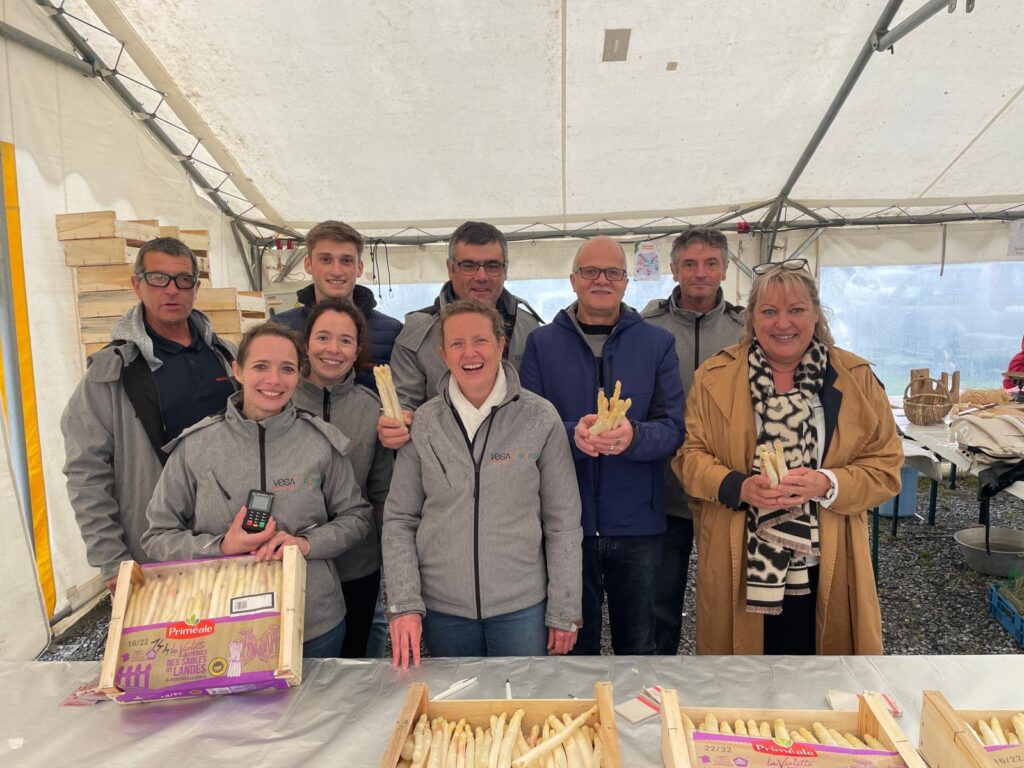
<point x="520" y="633"/>
<point x="668" y="602"/>
<point x="378" y="629"/>
<point x="327" y="645"/>
<point x="626" y="568"/>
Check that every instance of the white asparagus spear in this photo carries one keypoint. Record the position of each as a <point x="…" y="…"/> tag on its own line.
<point x="987" y="734"/>
<point x="838" y="737"/>
<point x="556" y="739"/>
<point x="997" y="729"/>
<point x="872" y="742"/>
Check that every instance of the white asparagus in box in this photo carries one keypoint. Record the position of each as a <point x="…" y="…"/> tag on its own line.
<point x="201" y="590"/>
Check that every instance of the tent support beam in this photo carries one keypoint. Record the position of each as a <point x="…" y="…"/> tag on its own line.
<point x="866" y="51"/>
<point x="26" y="40"/>
<point x="884" y="40"/>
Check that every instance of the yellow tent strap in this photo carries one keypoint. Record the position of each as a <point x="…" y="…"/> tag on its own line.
<point x="37" y="489"/>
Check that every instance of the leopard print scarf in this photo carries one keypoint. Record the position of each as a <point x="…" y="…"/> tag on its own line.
<point x="777" y="541"/>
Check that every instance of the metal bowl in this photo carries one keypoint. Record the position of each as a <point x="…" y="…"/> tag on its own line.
<point x="1007" y="545"/>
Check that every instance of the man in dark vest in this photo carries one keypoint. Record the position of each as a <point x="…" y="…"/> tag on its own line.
<point x="164" y="371"/>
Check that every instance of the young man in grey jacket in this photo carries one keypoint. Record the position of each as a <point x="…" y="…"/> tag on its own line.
<point x="164" y="371"/>
<point x="477" y="268"/>
<point x="703" y="323"/>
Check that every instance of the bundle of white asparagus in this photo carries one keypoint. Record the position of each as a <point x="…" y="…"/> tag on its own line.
<point x="993" y="733"/>
<point x="564" y="742"/>
<point x="818" y="733"/>
<point x="610" y="412"/>
<point x="201" y="591"/>
<point x="773" y="464"/>
<point x="386" y="390"/>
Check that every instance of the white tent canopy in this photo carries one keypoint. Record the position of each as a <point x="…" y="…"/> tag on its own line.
<point x="408" y="118"/>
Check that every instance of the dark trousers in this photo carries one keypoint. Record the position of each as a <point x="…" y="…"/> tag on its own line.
<point x="791" y="633"/>
<point x="360" y="600"/>
<point x="626" y="568"/>
<point x="668" y="601"/>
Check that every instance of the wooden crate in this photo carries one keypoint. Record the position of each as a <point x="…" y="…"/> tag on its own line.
<point x="113" y="277"/>
<point x="196" y="239"/>
<point x="94" y="224"/>
<point x="113" y="304"/>
<point x="249" y="303"/>
<point x="872" y="717"/>
<point x="292" y="609"/>
<point x="98" y="251"/>
<point x="947" y="742"/>
<point x="97" y="330"/>
<point x="477" y="712"/>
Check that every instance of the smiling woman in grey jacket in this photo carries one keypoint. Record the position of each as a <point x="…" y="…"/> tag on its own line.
<point x="262" y="442"/>
<point x="482" y="536"/>
<point x="337" y="347"/>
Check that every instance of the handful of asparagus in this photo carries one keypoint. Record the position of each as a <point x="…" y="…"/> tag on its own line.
<point x="773" y="464"/>
<point x="386" y="389"/>
<point x="610" y="412"/>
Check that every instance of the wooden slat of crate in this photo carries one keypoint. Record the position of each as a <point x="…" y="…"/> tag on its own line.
<point x="106" y="277"/>
<point x="947" y="742"/>
<point x="92" y="349"/>
<point x="97" y="329"/>
<point x="76" y="226"/>
<point x="252" y="302"/>
<point x="196" y="239"/>
<point x="872" y="717"/>
<point x="213" y="299"/>
<point x="477" y="712"/>
<point x="101" y="250"/>
<point x="234" y="338"/>
<point x="105" y="303"/>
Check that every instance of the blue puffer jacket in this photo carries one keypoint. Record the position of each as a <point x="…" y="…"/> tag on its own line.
<point x="622" y="495"/>
<point x="384" y="329"/>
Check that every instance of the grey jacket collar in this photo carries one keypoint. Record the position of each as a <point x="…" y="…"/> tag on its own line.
<point x="131" y="328"/>
<point x="343" y="387"/>
<point x="688" y="315"/>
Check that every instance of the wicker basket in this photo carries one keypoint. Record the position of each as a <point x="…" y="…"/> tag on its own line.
<point x="926" y="409"/>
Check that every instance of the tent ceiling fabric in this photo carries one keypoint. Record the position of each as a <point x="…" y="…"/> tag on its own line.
<point x="423" y="113"/>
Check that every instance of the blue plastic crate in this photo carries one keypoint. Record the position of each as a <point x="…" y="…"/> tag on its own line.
<point x="908" y="494"/>
<point x="1005" y="613"/>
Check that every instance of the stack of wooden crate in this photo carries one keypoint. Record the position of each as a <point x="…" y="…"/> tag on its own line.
<point x="102" y="250"/>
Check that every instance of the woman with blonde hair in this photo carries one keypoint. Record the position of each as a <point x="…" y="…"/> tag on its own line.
<point x="789" y="440"/>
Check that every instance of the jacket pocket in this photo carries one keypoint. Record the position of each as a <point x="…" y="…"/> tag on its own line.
<point x="217" y="499"/>
<point x="440" y="466"/>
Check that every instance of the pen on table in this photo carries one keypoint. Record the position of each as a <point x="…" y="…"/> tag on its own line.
<point x="508" y="688"/>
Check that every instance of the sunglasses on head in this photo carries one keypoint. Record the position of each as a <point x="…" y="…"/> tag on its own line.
<point x="790" y="265"/>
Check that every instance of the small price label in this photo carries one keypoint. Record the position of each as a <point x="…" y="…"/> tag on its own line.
<point x="252" y="603"/>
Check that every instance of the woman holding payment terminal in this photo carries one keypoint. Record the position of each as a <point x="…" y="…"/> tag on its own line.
<point x="288" y="464"/>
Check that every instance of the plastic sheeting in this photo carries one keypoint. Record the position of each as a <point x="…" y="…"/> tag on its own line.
<point x="344" y="711"/>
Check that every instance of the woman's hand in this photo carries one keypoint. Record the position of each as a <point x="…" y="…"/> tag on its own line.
<point x="274" y="549"/>
<point x="394" y="433"/>
<point x="406" y="631"/>
<point x="615" y="440"/>
<point x="757" y="491"/>
<point x="804" y="484"/>
<point x="238" y="542"/>
<point x="560" y="641"/>
<point x="581" y="435"/>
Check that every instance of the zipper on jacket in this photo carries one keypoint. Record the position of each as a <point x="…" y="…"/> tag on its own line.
<point x="471" y="446"/>
<point x="696" y="342"/>
<point x="327" y="405"/>
<point x="263" y="457"/>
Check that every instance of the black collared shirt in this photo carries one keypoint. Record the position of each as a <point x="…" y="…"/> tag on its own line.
<point x="192" y="382"/>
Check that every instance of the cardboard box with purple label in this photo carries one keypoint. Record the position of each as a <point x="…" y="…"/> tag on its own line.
<point x="205" y="627"/>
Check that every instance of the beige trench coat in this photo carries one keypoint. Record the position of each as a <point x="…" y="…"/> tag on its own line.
<point x="864" y="451"/>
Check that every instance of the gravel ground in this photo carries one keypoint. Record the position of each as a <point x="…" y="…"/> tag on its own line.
<point x="932" y="603"/>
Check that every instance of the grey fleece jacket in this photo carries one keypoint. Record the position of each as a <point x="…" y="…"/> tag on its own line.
<point x="417" y="366"/>
<point x="698" y="337"/>
<point x="215" y="464"/>
<point x="110" y="465"/>
<point x="354" y="410"/>
<point x="484" y="529"/>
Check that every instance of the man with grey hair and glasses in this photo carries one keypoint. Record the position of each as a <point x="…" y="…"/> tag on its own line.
<point x="477" y="268"/>
<point x="163" y="371"/>
<point x="702" y="323"/>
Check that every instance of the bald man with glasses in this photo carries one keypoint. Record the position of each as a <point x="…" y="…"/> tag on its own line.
<point x="477" y="268"/>
<point x="163" y="371"/>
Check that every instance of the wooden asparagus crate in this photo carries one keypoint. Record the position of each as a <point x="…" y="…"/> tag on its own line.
<point x="115" y="303"/>
<point x="947" y="741"/>
<point x="254" y="641"/>
<point x="99" y="251"/>
<point x="97" y="330"/>
<point x="117" y="277"/>
<point x="872" y="717"/>
<point x="94" y="224"/>
<point x="196" y="239"/>
<point x="477" y="712"/>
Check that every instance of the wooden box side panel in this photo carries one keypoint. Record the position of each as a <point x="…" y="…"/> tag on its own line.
<point x="608" y="726"/>
<point x="674" y="750"/>
<point x="108" y="669"/>
<point x="416" y="702"/>
<point x="104" y="251"/>
<point x="873" y="717"/>
<point x="94" y="224"/>
<point x="293" y="615"/>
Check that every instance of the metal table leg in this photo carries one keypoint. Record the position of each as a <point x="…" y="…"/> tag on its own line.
<point x="895" y="514"/>
<point x="952" y="476"/>
<point x="933" y="497"/>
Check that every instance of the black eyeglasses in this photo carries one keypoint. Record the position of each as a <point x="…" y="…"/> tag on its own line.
<point x="790" y="265"/>
<point x="184" y="281"/>
<point x="613" y="274"/>
<point x="491" y="268"/>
